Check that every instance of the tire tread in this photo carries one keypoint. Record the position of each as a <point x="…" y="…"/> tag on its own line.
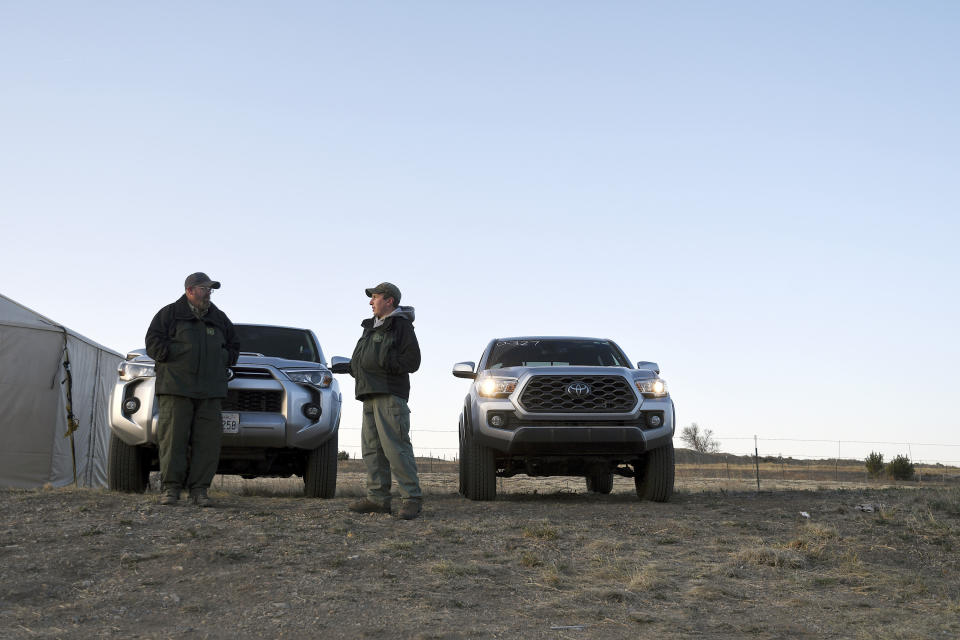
<point x="320" y="475"/>
<point x="655" y="481"/>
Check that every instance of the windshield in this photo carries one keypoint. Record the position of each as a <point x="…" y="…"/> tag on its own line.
<point x="555" y="353"/>
<point x="279" y="342"/>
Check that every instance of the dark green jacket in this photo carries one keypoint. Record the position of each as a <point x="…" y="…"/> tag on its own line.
<point x="385" y="356"/>
<point x="192" y="354"/>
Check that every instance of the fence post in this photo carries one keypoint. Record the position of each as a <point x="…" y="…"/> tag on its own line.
<point x="836" y="468"/>
<point x="756" y="460"/>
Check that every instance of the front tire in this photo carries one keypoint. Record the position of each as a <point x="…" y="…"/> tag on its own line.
<point x="320" y="475"/>
<point x="654" y="476"/>
<point x="478" y="469"/>
<point x="600" y="483"/>
<point x="462" y="467"/>
<point x="129" y="468"/>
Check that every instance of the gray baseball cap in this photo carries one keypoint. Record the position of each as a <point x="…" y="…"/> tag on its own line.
<point x="200" y="279"/>
<point x="387" y="289"/>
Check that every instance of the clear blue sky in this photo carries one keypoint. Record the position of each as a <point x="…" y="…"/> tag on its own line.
<point x="762" y="197"/>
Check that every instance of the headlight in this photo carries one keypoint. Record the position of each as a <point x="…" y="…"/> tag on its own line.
<point x="652" y="387"/>
<point x="496" y="387"/>
<point x="129" y="370"/>
<point x="314" y="377"/>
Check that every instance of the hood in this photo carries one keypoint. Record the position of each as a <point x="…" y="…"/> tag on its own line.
<point x="569" y="370"/>
<point x="404" y="312"/>
<point x="138" y="355"/>
<point x="279" y="363"/>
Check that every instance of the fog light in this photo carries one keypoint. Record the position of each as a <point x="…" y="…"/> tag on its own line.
<point x="496" y="421"/>
<point x="130" y="406"/>
<point x="654" y="421"/>
<point x="312" y="411"/>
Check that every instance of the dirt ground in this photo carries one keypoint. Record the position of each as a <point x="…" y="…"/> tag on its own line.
<point x="545" y="560"/>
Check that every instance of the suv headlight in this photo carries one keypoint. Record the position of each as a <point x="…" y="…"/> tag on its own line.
<point x="490" y="387"/>
<point x="652" y="387"/>
<point x="130" y="370"/>
<point x="314" y="377"/>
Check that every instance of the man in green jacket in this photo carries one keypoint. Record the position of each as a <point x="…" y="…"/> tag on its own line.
<point x="385" y="356"/>
<point x="193" y="344"/>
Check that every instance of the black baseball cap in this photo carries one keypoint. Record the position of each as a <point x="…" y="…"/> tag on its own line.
<point x="200" y="279"/>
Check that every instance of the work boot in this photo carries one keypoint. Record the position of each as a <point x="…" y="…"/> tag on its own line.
<point x="200" y="498"/>
<point x="171" y="495"/>
<point x="367" y="505"/>
<point x="410" y="509"/>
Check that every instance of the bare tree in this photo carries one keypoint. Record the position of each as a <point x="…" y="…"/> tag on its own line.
<point x="702" y="441"/>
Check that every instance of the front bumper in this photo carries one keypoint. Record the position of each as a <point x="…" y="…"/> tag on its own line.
<point x="283" y="427"/>
<point x="587" y="435"/>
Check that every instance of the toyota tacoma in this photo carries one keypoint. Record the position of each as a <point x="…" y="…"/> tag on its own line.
<point x="565" y="406"/>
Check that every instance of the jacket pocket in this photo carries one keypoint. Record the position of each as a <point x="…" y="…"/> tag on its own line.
<point x="384" y="349"/>
<point x="183" y="357"/>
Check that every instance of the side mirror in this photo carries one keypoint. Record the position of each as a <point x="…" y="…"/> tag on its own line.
<point x="464" y="370"/>
<point x="136" y="353"/>
<point x="650" y="366"/>
<point x="339" y="364"/>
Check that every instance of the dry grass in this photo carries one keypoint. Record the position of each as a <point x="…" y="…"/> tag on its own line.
<point x="547" y="560"/>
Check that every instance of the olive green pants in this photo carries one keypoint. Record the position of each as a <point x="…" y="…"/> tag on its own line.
<point x="386" y="447"/>
<point x="189" y="433"/>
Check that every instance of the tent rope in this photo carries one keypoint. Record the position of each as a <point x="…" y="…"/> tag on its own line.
<point x="72" y="423"/>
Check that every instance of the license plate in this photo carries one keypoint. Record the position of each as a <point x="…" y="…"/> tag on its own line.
<point x="231" y="422"/>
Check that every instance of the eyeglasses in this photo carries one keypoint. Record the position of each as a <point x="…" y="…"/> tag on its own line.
<point x="204" y="288"/>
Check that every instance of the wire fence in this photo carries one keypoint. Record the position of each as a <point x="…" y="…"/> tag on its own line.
<point x="771" y="472"/>
<point x="926" y="453"/>
<point x="439" y="452"/>
<point x="766" y="464"/>
<point x="784" y="451"/>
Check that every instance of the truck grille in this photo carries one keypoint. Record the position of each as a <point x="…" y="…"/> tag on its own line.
<point x="247" y="400"/>
<point x="557" y="394"/>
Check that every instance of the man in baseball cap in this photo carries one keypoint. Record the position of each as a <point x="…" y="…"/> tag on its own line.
<point x="193" y="344"/>
<point x="385" y="356"/>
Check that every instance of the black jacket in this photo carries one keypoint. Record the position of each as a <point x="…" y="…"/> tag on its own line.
<point x="192" y="354"/>
<point x="385" y="356"/>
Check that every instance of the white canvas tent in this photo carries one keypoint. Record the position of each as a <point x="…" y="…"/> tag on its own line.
<point x="34" y="393"/>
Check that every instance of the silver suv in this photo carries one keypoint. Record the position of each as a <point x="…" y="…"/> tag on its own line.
<point x="559" y="406"/>
<point x="280" y="418"/>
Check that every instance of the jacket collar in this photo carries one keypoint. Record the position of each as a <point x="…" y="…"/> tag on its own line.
<point x="369" y="323"/>
<point x="182" y="311"/>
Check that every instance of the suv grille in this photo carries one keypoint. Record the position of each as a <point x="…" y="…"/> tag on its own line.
<point x="251" y="372"/>
<point x="246" y="400"/>
<point x="557" y="394"/>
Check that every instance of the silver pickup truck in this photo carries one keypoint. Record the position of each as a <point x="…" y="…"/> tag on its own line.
<point x="565" y="406"/>
<point x="281" y="415"/>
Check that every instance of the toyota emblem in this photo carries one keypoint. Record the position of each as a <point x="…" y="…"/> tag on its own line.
<point x="578" y="390"/>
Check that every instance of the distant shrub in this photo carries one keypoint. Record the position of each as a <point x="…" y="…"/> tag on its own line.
<point x="702" y="441"/>
<point x="343" y="455"/>
<point x="874" y="464"/>
<point x="900" y="468"/>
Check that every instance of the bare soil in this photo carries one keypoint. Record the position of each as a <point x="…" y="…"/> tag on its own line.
<point x="545" y="560"/>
